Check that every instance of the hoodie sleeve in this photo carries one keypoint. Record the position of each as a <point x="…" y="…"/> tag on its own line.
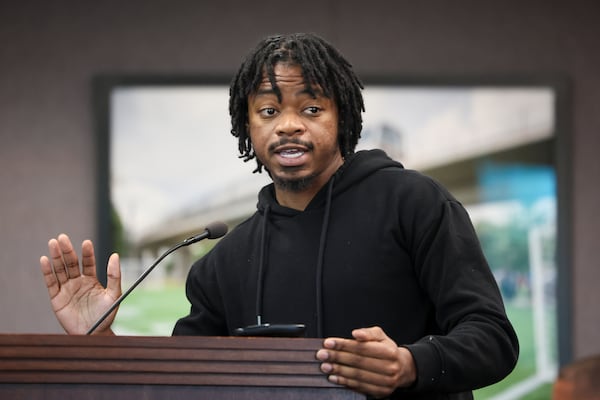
<point x="206" y="317"/>
<point x="478" y="345"/>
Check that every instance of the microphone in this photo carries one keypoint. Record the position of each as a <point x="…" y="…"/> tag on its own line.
<point x="213" y="230"/>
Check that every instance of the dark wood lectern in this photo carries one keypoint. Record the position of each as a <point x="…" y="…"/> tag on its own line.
<point x="126" y="367"/>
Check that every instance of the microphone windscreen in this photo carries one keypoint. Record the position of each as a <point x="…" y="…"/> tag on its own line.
<point x="216" y="229"/>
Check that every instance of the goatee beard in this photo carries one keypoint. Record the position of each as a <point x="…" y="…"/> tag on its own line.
<point x="293" y="185"/>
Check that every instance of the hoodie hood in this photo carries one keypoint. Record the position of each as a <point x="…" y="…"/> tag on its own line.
<point x="357" y="167"/>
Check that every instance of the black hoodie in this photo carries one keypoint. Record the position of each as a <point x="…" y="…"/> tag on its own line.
<point x="378" y="245"/>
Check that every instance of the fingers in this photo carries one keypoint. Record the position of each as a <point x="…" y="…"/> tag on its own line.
<point x="88" y="259"/>
<point x="366" y="382"/>
<point x="370" y="363"/>
<point x="368" y="356"/>
<point x="63" y="263"/>
<point x="369" y="342"/>
<point x="69" y="256"/>
<point x="49" y="277"/>
<point x="57" y="262"/>
<point x="113" y="275"/>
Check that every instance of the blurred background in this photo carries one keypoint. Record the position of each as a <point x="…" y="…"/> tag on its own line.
<point x="114" y="127"/>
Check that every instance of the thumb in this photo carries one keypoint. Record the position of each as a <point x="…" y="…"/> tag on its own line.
<point x="113" y="276"/>
<point x="373" y="333"/>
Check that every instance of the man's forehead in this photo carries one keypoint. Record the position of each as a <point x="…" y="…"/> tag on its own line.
<point x="283" y="71"/>
<point x="296" y="79"/>
<point x="299" y="78"/>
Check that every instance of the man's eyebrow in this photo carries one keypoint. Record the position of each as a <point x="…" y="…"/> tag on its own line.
<point x="263" y="92"/>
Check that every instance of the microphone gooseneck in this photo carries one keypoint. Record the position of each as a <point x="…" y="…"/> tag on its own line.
<point x="213" y="230"/>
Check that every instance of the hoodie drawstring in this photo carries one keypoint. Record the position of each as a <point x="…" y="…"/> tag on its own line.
<point x="319" y="269"/>
<point x="261" y="263"/>
<point x="321" y="258"/>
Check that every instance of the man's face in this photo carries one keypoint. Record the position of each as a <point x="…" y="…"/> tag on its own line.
<point x="295" y="139"/>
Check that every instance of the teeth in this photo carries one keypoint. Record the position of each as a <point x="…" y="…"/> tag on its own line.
<point x="293" y="153"/>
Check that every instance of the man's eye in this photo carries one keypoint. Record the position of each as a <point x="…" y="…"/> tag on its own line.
<point x="267" y="112"/>
<point x="313" y="109"/>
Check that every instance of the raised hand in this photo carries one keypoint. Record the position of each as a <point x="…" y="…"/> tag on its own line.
<point x="371" y="363"/>
<point x="77" y="297"/>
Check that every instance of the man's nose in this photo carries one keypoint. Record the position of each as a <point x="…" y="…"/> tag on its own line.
<point x="290" y="123"/>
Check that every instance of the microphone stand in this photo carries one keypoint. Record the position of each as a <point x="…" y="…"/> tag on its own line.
<point x="218" y="231"/>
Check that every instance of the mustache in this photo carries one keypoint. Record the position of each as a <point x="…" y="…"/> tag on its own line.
<point x="285" y="140"/>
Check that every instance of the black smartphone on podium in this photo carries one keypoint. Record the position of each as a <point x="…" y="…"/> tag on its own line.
<point x="272" y="330"/>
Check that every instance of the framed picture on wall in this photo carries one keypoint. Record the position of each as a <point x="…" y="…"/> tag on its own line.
<point x="169" y="165"/>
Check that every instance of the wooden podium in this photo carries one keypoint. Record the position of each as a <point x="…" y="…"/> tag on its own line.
<point x="146" y="368"/>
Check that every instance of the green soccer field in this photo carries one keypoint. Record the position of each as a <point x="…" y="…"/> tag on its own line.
<point x="151" y="311"/>
<point x="154" y="311"/>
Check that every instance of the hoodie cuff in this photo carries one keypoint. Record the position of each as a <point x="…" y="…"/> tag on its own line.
<point x="428" y="362"/>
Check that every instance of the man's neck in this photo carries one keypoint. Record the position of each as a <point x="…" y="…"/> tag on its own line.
<point x="297" y="200"/>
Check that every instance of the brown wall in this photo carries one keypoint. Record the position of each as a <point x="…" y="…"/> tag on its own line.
<point x="49" y="51"/>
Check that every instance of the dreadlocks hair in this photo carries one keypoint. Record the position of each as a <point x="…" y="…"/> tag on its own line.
<point x="322" y="65"/>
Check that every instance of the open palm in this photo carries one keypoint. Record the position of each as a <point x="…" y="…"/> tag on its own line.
<point x="77" y="297"/>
